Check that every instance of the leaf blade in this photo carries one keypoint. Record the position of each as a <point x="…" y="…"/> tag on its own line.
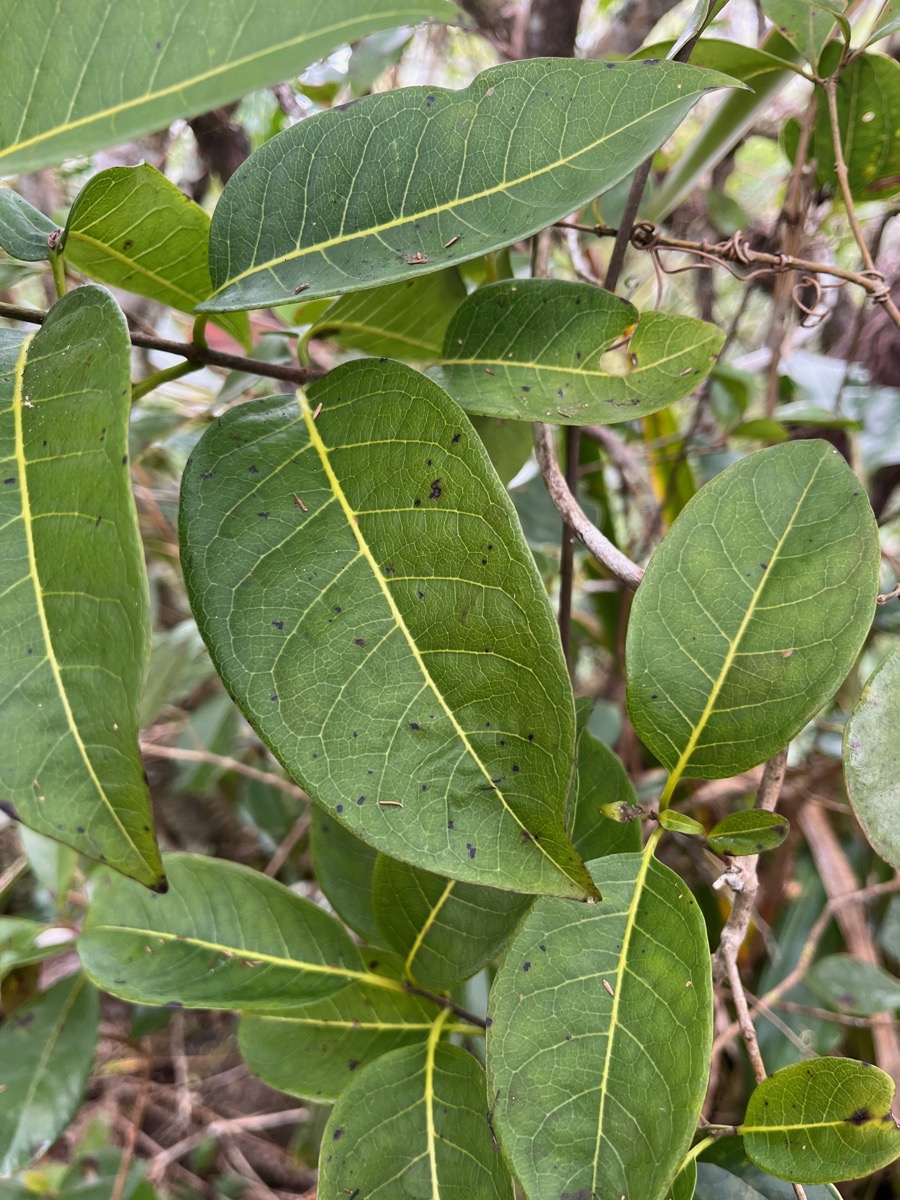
<point x="110" y="72"/>
<point x="443" y="218"/>
<point x="77" y="617"/>
<point x="762" y="578"/>
<point x="870" y="759"/>
<point x="395" y="603"/>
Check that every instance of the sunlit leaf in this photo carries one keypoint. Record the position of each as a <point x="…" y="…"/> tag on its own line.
<point x="46" y="1053"/>
<point x="822" y="1120"/>
<point x="444" y="930"/>
<point x="413" y="1124"/>
<point x="597" y="1093"/>
<point x="413" y="180"/>
<point x="222" y="937"/>
<point x="570" y="354"/>
<point x="750" y="831"/>
<point x="872" y="759"/>
<point x="372" y="607"/>
<point x="752" y="610"/>
<point x="314" y="1052"/>
<point x="133" y="228"/>
<point x="73" y="588"/>
<point x="100" y="72"/>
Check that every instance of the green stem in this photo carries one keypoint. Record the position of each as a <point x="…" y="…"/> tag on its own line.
<point x="199" y="334"/>
<point x="140" y="389"/>
<point x="695" y="1152"/>
<point x="59" y="273"/>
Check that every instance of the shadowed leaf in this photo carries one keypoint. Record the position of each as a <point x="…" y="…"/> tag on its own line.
<point x="872" y="759"/>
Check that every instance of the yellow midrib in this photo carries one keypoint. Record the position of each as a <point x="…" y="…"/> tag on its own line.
<point x="37" y="1077"/>
<point x="837" y="1123"/>
<point x="561" y="367"/>
<point x="22" y="463"/>
<point x="322" y="451"/>
<point x="256" y="956"/>
<point x="630" y="920"/>
<point x="134" y="266"/>
<point x="148" y="97"/>
<point x="448" y="206"/>
<point x="426" y="926"/>
<point x="430" y="1051"/>
<point x="728" y="661"/>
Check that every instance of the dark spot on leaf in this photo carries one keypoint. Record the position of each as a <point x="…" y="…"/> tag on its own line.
<point x="254" y="470"/>
<point x="265" y="516"/>
<point x="456" y="437"/>
<point x="860" y="1117"/>
<point x="12" y="479"/>
<point x="421" y="595"/>
<point x="435" y="493"/>
<point x="30" y="650"/>
<point x="471" y="849"/>
<point x="526" y="966"/>
<point x="763" y="566"/>
<point x="278" y="624"/>
<point x="428" y="463"/>
<point x="531" y="737"/>
<point x="24" y="1021"/>
<point x="487" y="724"/>
<point x="79" y="829"/>
<point x="515" y="768"/>
<point x="273" y="699"/>
<point x="359" y="641"/>
<point x="127" y="244"/>
<point x="339" y="808"/>
<point x="97" y="522"/>
<point x="484" y="562"/>
<point x="525" y="388"/>
<point x="651" y="62"/>
<point x="413" y="725"/>
<point x="488" y="1022"/>
<point x="338" y="1134"/>
<point x="449" y="824"/>
<point x="352" y="1064"/>
<point x="559" y="393"/>
<point x="337" y="608"/>
<point x="416" y="503"/>
<point x="124" y="459"/>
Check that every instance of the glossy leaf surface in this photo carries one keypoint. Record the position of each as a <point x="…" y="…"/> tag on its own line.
<point x="223" y="936"/>
<point x="73" y="588"/>
<point x="46" y="1053"/>
<point x="597" y="1092"/>
<point x="314" y="1052"/>
<point x="872" y="758"/>
<point x="822" y="1120"/>
<point x="404" y="320"/>
<point x="413" y="1124"/>
<point x="100" y="72"/>
<point x="134" y="229"/>
<point x="444" y="930"/>
<point x="752" y="610"/>
<point x="853" y="985"/>
<point x="679" y="822"/>
<point x="570" y="354"/>
<point x="748" y="832"/>
<point x="391" y="640"/>
<point x="23" y="228"/>
<point x="426" y="177"/>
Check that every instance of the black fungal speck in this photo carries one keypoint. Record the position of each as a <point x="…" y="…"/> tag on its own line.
<point x="265" y="516"/>
<point x="526" y="966"/>
<point x="471" y="849"/>
<point x="860" y="1117"/>
<point x="531" y="737"/>
<point x="278" y="624"/>
<point x="413" y="725"/>
<point x="436" y="490"/>
<point x="274" y="698"/>
<point x="352" y="1064"/>
<point x="525" y="387"/>
<point x="421" y="595"/>
<point x="416" y="503"/>
<point x="124" y="459"/>
<point x="361" y="801"/>
<point x="484" y="562"/>
<point x="456" y="437"/>
<point x="338" y="1134"/>
<point x="79" y="829"/>
<point x="488" y="1022"/>
<point x="12" y="479"/>
<point x="359" y="641"/>
<point x="254" y="469"/>
<point x="515" y="768"/>
<point x="339" y="808"/>
<point x="449" y="824"/>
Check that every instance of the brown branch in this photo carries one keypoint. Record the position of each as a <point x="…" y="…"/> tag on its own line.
<point x="202" y="355"/>
<point x="551" y="28"/>
<point x="573" y="514"/>
<point x="155" y="750"/>
<point x="882" y="293"/>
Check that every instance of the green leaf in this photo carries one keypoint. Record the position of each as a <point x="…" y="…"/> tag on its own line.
<point x="46" y="1053"/>
<point x="679" y="822"/>
<point x="600" y="786"/>
<point x="23" y="228"/>
<point x="428" y="177"/>
<point x="570" y="354"/>
<point x="222" y="937"/>
<point x="314" y="1052"/>
<point x="685" y="1183"/>
<point x="871" y="759"/>
<point x="133" y="228"/>
<point x="24" y="942"/>
<point x="822" y="1120"/>
<point x="508" y="443"/>
<point x="413" y="1124"/>
<point x="750" y="831"/>
<point x="445" y="930"/>
<point x="889" y="22"/>
<point x="101" y="72"/>
<point x="724" y="1172"/>
<point x="601" y="1026"/>
<point x="752" y="610"/>
<point x="853" y="985"/>
<point x="868" y="104"/>
<point x="392" y="644"/>
<point x="73" y="588"/>
<point x="403" y="320"/>
<point x="343" y="867"/>
<point x="806" y="25"/>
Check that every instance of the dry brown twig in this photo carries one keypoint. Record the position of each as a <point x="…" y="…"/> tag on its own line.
<point x="177" y="754"/>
